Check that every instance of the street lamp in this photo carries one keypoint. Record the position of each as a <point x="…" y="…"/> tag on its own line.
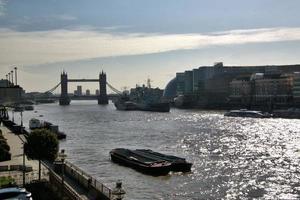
<point x="9" y="79"/>
<point x="13" y="115"/>
<point x="16" y="75"/>
<point x="24" y="168"/>
<point x="118" y="192"/>
<point x="62" y="156"/>
<point x="21" y="113"/>
<point x="12" y="77"/>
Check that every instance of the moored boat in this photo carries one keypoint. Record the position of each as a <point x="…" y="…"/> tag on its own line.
<point x="28" y="107"/>
<point x="178" y="164"/>
<point x="140" y="163"/>
<point x="37" y="124"/>
<point x="247" y="113"/>
<point x="144" y="99"/>
<point x="18" y="108"/>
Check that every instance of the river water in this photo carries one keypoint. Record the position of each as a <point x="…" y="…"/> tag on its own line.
<point x="233" y="158"/>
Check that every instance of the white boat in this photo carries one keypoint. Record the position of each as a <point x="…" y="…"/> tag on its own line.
<point x="247" y="113"/>
<point x="35" y="123"/>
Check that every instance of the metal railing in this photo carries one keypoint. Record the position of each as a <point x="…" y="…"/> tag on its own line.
<point x="30" y="177"/>
<point x="68" y="190"/>
<point x="93" y="182"/>
<point x="53" y="176"/>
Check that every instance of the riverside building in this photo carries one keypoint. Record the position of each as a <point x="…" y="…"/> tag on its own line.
<point x="10" y="92"/>
<point x="228" y="86"/>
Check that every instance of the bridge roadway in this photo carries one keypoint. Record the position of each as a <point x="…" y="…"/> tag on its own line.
<point x="83" y="97"/>
<point x="83" y="80"/>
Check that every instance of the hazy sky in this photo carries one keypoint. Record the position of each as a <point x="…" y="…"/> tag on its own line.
<point x="135" y="39"/>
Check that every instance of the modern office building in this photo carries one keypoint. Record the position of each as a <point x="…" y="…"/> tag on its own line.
<point x="296" y="88"/>
<point x="221" y="86"/>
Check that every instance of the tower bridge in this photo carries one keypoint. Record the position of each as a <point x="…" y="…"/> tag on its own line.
<point x="64" y="97"/>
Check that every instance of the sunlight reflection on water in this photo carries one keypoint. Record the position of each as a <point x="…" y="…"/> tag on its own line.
<point x="234" y="158"/>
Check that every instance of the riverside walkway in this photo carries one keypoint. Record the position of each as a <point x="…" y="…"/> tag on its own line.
<point x="73" y="187"/>
<point x="16" y="149"/>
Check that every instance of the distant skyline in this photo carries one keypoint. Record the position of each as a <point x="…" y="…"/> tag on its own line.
<point x="132" y="40"/>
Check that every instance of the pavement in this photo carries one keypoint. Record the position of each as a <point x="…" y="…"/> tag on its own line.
<point x="16" y="149"/>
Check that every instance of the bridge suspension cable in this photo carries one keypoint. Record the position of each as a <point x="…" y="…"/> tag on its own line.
<point x="109" y="85"/>
<point x="52" y="89"/>
<point x="113" y="89"/>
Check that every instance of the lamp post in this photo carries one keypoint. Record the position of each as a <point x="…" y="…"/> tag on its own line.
<point x="12" y="77"/>
<point x="16" y="75"/>
<point x="8" y="78"/>
<point x="13" y="115"/>
<point x="23" y="164"/>
<point x="62" y="156"/>
<point x="21" y="113"/>
<point x="118" y="192"/>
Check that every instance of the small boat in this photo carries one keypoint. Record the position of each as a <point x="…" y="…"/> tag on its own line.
<point x="139" y="162"/>
<point x="18" y="109"/>
<point x="36" y="124"/>
<point x="177" y="164"/>
<point x="55" y="129"/>
<point x="247" y="113"/>
<point x="28" y="107"/>
<point x="128" y="105"/>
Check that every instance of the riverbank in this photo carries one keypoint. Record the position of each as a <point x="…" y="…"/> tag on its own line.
<point x="76" y="182"/>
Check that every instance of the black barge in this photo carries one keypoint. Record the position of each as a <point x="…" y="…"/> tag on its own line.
<point x="177" y="164"/>
<point x="140" y="163"/>
<point x="150" y="162"/>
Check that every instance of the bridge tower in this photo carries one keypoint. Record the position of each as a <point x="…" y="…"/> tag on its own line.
<point x="102" y="98"/>
<point x="64" y="97"/>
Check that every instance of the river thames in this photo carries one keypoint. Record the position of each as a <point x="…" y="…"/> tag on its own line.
<point x="233" y="158"/>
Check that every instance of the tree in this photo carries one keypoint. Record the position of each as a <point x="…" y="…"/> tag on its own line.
<point x="4" y="149"/>
<point x="41" y="144"/>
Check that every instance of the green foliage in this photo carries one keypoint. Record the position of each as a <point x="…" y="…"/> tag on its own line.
<point x="4" y="155"/>
<point x="5" y="181"/>
<point x="41" y="144"/>
<point x="4" y="146"/>
<point x="4" y="149"/>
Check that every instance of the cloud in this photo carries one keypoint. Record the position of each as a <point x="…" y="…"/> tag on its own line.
<point x="2" y="7"/>
<point x="64" y="17"/>
<point x="39" y="47"/>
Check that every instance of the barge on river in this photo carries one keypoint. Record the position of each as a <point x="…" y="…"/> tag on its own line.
<point x="149" y="162"/>
<point x="177" y="164"/>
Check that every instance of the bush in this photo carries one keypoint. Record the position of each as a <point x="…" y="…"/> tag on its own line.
<point x="41" y="144"/>
<point x="4" y="155"/>
<point x="6" y="182"/>
<point x="4" y="146"/>
<point x="4" y="150"/>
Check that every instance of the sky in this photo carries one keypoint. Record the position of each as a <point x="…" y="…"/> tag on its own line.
<point x="133" y="40"/>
